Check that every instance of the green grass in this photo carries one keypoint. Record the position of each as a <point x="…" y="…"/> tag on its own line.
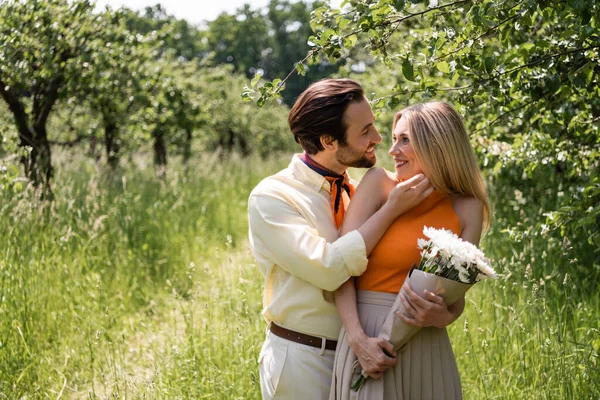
<point x="137" y="287"/>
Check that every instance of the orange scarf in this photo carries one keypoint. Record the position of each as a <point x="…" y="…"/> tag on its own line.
<point x="337" y="182"/>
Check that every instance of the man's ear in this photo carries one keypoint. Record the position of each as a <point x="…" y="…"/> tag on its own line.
<point x="329" y="143"/>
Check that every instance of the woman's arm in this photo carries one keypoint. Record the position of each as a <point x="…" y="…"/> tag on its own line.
<point x="379" y="200"/>
<point x="433" y="311"/>
<point x="369" y="197"/>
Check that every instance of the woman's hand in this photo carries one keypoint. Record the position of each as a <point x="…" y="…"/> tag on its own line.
<point x="431" y="311"/>
<point x="405" y="195"/>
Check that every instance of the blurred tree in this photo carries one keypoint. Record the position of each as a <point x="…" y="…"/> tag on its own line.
<point x="242" y="40"/>
<point x="41" y="46"/>
<point x="171" y="112"/>
<point x="290" y="27"/>
<point x="233" y="125"/>
<point x="9" y="152"/>
<point x="176" y="35"/>
<point x="268" y="43"/>
<point x="114" y="77"/>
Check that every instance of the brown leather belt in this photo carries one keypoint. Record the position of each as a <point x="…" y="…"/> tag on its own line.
<point x="302" y="338"/>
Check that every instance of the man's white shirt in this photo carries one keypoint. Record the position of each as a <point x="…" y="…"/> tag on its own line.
<point x="299" y="252"/>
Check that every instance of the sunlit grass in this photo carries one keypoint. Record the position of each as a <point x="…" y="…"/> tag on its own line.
<point x="131" y="285"/>
<point x="139" y="287"/>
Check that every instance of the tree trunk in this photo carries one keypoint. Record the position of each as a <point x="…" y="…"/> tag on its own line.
<point x="94" y="147"/>
<point x="32" y="132"/>
<point x="160" y="153"/>
<point x="38" y="165"/>
<point x="187" y="146"/>
<point x="111" y="137"/>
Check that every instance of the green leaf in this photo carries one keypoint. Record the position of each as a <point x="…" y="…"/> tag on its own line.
<point x="527" y="47"/>
<point x="350" y="41"/>
<point x="408" y="70"/>
<point x="443" y="66"/>
<point x="382" y="12"/>
<point x="393" y="103"/>
<point x="300" y="68"/>
<point x="455" y="77"/>
<point x="399" y="5"/>
<point x="577" y="5"/>
<point x="553" y="83"/>
<point x="255" y="80"/>
<point x="587" y="72"/>
<point x="489" y="63"/>
<point x="373" y="34"/>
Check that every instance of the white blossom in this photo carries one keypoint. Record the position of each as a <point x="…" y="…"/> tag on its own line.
<point x="445" y="254"/>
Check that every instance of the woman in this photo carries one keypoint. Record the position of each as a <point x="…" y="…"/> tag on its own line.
<point x="429" y="139"/>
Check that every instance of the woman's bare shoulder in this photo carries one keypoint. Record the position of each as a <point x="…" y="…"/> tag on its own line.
<point x="467" y="205"/>
<point x="469" y="211"/>
<point x="379" y="177"/>
<point x="375" y="186"/>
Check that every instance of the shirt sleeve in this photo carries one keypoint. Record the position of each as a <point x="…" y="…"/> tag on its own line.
<point x="283" y="236"/>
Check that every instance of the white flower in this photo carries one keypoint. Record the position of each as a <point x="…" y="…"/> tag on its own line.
<point x="446" y="252"/>
<point x="433" y="251"/>
<point x="464" y="276"/>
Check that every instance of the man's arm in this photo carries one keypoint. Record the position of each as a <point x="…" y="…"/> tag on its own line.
<point x="368" y="350"/>
<point x="294" y="245"/>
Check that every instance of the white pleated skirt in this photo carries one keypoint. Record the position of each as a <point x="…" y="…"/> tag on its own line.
<point x="425" y="370"/>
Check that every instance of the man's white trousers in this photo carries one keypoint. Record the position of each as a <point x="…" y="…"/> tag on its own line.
<point x="290" y="370"/>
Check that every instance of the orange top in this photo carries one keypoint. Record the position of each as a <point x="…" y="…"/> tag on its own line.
<point x="397" y="251"/>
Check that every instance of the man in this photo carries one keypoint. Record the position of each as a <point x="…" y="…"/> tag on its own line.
<point x="294" y="220"/>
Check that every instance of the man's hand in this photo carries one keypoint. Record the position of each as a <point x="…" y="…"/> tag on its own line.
<point x="431" y="311"/>
<point x="405" y="195"/>
<point x="371" y="356"/>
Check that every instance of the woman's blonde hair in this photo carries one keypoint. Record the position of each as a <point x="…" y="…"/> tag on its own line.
<point x="443" y="149"/>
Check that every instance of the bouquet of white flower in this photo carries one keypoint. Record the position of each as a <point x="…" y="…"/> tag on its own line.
<point x="449" y="267"/>
<point x="448" y="256"/>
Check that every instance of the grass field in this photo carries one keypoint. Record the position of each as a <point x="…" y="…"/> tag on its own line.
<point x="137" y="287"/>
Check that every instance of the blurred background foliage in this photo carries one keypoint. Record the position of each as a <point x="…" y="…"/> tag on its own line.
<point x="128" y="147"/>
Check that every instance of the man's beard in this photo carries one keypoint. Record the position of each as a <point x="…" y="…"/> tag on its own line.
<point x="353" y="158"/>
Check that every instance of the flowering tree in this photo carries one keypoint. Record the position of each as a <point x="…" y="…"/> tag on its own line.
<point x="524" y="73"/>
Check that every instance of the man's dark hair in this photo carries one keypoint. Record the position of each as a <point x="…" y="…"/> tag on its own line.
<point x="319" y="110"/>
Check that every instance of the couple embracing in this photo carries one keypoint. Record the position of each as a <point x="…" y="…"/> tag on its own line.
<point x="335" y="258"/>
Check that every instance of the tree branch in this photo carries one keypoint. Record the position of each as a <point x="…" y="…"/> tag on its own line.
<point x="18" y="111"/>
<point x="504" y="115"/>
<point x="543" y="96"/>
<point x="70" y="143"/>
<point x="50" y="100"/>
<point x="419" y="91"/>
<point x="316" y="50"/>
<point x="465" y="43"/>
<point x="536" y="62"/>
<point x="456" y="3"/>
